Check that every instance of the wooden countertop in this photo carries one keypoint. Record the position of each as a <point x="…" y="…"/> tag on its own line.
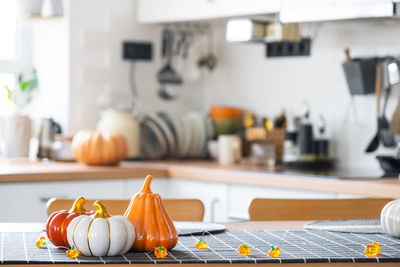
<point x="23" y="170"/>
<point x="277" y="225"/>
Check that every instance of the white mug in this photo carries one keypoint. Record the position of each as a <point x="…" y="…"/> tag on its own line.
<point x="229" y="149"/>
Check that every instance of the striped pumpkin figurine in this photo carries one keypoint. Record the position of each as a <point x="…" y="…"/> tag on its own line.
<point x="101" y="234"/>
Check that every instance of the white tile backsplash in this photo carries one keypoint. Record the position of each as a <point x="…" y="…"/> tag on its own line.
<point x="245" y="77"/>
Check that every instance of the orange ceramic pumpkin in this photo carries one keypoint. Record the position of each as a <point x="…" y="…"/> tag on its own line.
<point x="153" y="226"/>
<point x="94" y="148"/>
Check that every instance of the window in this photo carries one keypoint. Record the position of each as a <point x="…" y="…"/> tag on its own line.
<point x="13" y="45"/>
<point x="8" y="29"/>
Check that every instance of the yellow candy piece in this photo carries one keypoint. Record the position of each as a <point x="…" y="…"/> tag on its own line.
<point x="373" y="249"/>
<point x="244" y="250"/>
<point x="160" y="252"/>
<point x="72" y="253"/>
<point x="41" y="242"/>
<point x="201" y="244"/>
<point x="274" y="252"/>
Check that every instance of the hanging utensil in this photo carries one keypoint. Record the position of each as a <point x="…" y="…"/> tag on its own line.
<point x="395" y="79"/>
<point x="392" y="78"/>
<point x="167" y="74"/>
<point x="209" y="61"/>
<point x="373" y="145"/>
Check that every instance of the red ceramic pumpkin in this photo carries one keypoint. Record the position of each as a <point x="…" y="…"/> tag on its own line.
<point x="58" y="221"/>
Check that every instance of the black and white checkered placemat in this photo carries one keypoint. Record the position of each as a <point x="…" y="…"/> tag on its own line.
<point x="297" y="246"/>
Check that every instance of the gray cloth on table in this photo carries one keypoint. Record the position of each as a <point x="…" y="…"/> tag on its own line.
<point x="366" y="226"/>
<point x="197" y="228"/>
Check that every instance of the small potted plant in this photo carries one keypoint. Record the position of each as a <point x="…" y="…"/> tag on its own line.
<point x="15" y="125"/>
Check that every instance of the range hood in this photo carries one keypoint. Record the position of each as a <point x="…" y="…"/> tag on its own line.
<point x="330" y="10"/>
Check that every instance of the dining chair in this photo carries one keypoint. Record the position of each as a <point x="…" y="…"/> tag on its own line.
<point x="263" y="209"/>
<point x="178" y="209"/>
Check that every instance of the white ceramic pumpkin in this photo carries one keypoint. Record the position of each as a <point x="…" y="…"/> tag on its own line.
<point x="390" y="218"/>
<point x="101" y="234"/>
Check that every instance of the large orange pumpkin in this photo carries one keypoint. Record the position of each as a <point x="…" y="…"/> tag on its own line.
<point x="153" y="226"/>
<point x="94" y="148"/>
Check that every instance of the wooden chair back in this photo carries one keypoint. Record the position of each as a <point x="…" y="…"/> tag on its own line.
<point x="178" y="209"/>
<point x="315" y="209"/>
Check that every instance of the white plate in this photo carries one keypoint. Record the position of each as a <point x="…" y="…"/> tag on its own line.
<point x="165" y="131"/>
<point x="178" y="131"/>
<point x="188" y="136"/>
<point x="150" y="144"/>
<point x="194" y="135"/>
<point x="201" y="131"/>
<point x="160" y="137"/>
<point x="166" y="118"/>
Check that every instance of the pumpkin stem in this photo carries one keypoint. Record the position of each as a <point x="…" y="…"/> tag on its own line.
<point x="146" y="185"/>
<point x="77" y="207"/>
<point x="101" y="211"/>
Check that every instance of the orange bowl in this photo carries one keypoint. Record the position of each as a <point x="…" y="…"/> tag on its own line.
<point x="221" y="112"/>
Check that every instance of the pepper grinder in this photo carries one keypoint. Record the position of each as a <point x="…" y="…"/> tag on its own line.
<point x="306" y="137"/>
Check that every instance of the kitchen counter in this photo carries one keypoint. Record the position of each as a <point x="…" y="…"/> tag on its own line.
<point x="23" y="170"/>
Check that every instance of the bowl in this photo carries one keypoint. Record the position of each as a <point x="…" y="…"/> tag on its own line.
<point x="222" y="112"/>
<point x="226" y="126"/>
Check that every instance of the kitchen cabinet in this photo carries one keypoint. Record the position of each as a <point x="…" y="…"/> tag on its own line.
<point x="153" y="11"/>
<point x="330" y="10"/>
<point x="213" y="196"/>
<point x="159" y="11"/>
<point x="26" y="202"/>
<point x="228" y="8"/>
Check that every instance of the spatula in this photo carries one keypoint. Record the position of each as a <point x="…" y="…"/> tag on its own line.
<point x="395" y="123"/>
<point x="373" y="145"/>
<point x="392" y="70"/>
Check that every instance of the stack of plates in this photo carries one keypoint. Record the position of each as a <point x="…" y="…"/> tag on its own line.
<point x="171" y="135"/>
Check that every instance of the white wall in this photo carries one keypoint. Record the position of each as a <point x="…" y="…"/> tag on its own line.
<point x="245" y="77"/>
<point x="97" y="29"/>
<point x="50" y="58"/>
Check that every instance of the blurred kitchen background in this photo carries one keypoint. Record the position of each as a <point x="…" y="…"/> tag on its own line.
<point x="278" y="64"/>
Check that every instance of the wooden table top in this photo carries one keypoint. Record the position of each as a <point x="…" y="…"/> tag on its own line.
<point x="276" y="225"/>
<point x="23" y="170"/>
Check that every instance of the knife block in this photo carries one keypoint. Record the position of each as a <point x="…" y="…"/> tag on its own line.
<point x="262" y="135"/>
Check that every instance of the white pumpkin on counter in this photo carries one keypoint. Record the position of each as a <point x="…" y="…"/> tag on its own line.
<point x="390" y="218"/>
<point x="101" y="234"/>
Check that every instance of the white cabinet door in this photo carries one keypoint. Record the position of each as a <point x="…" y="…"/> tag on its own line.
<point x="213" y="196"/>
<point x="327" y="10"/>
<point x="229" y="8"/>
<point x="26" y="202"/>
<point x="155" y="11"/>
